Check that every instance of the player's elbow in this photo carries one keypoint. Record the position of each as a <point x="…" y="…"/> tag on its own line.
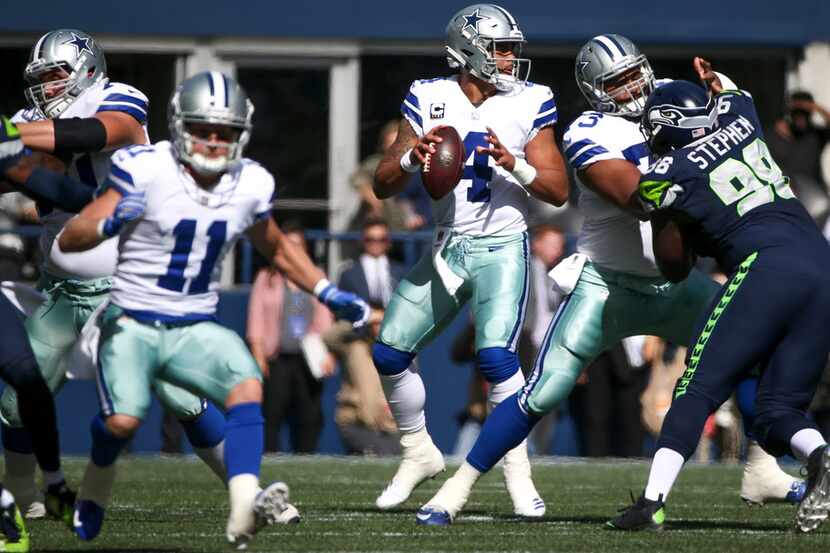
<point x="67" y="241"/>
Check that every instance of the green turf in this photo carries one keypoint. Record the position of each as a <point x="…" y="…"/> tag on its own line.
<point x="168" y="505"/>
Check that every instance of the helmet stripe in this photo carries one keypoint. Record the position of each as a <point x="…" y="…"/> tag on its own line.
<point x="597" y="40"/>
<point x="36" y="49"/>
<point x="616" y="43"/>
<point x="227" y="90"/>
<point x="212" y="88"/>
<point x="507" y="15"/>
<point x="220" y="96"/>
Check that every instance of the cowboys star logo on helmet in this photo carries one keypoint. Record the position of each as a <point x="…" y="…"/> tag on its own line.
<point x="81" y="43"/>
<point x="472" y="19"/>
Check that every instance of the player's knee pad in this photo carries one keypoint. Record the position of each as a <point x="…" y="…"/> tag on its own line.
<point x="497" y="364"/>
<point x="390" y="361"/>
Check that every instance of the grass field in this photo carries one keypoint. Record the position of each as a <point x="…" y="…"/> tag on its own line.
<point x="176" y="505"/>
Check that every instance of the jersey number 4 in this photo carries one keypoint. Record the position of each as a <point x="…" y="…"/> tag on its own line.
<point x="751" y="182"/>
<point x="480" y="171"/>
<point x="185" y="232"/>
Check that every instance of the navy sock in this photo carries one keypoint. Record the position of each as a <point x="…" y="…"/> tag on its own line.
<point x="206" y="430"/>
<point x="16" y="439"/>
<point x="504" y="429"/>
<point x="745" y="395"/>
<point x="244" y="439"/>
<point x="105" y="446"/>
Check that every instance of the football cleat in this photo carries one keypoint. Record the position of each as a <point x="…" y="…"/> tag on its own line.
<point x="419" y="463"/>
<point x="15" y="536"/>
<point x="764" y="482"/>
<point x="517" y="480"/>
<point x="60" y="502"/>
<point x="87" y="520"/>
<point x="815" y="506"/>
<point x="35" y="510"/>
<point x="643" y="514"/>
<point x="432" y="515"/>
<point x="271" y="506"/>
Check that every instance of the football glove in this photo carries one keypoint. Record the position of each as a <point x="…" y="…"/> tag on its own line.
<point x="130" y="207"/>
<point x="345" y="305"/>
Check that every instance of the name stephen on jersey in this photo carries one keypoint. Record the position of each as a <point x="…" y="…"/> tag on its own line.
<point x="719" y="144"/>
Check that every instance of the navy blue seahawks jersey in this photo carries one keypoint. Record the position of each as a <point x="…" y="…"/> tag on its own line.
<point x="728" y="194"/>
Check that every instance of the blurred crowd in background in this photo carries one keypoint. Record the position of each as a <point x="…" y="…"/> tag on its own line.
<point x="620" y="398"/>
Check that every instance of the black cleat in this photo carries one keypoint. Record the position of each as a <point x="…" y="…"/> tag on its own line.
<point x="643" y="514"/>
<point x="60" y="502"/>
<point x="815" y="506"/>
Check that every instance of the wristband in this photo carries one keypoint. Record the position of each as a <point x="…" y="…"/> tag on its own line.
<point x="321" y="285"/>
<point x="523" y="172"/>
<point x="406" y="163"/>
<point x="100" y="228"/>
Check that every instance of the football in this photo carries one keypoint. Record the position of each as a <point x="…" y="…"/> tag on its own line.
<point x="443" y="169"/>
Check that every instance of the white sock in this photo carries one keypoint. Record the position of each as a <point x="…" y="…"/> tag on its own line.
<point x="664" y="470"/>
<point x="467" y="475"/>
<point x="499" y="392"/>
<point x="214" y="457"/>
<point x="51" y="478"/>
<point x="805" y="441"/>
<point x="6" y="498"/>
<point x="242" y="490"/>
<point x="406" y="396"/>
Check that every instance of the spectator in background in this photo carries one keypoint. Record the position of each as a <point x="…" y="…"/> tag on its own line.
<point x="362" y="415"/>
<point x="796" y="145"/>
<point x="15" y="209"/>
<point x="372" y="275"/>
<point x="280" y="316"/>
<point x="405" y="212"/>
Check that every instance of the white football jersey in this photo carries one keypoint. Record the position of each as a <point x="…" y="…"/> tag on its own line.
<point x="169" y="260"/>
<point x="488" y="201"/>
<point x="610" y="237"/>
<point x="92" y="169"/>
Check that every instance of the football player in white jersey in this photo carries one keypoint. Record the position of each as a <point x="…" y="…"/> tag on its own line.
<point x="614" y="288"/>
<point x="178" y="207"/>
<point x="81" y="116"/>
<point x="480" y="252"/>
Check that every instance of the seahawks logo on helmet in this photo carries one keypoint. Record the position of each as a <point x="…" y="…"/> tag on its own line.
<point x="666" y="116"/>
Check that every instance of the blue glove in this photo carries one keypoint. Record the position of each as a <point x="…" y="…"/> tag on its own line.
<point x="345" y="305"/>
<point x="130" y="207"/>
<point x="11" y="146"/>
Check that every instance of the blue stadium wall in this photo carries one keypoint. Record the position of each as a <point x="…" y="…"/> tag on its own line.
<point x="736" y="22"/>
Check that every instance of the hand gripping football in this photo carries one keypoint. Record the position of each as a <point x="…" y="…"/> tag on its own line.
<point x="442" y="170"/>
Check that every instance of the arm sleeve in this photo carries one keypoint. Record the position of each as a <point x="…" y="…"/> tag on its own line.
<point x="546" y="115"/>
<point x="411" y="109"/>
<point x="266" y="201"/>
<point x="579" y="147"/>
<point x="128" y="172"/>
<point x="62" y="191"/>
<point x="127" y="100"/>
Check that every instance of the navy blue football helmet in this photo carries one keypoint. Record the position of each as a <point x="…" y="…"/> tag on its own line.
<point x="676" y="114"/>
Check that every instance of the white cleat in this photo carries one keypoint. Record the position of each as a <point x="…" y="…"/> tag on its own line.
<point x="815" y="507"/>
<point x="35" y="510"/>
<point x="271" y="506"/>
<point x="526" y="500"/>
<point x="419" y="463"/>
<point x="763" y="480"/>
